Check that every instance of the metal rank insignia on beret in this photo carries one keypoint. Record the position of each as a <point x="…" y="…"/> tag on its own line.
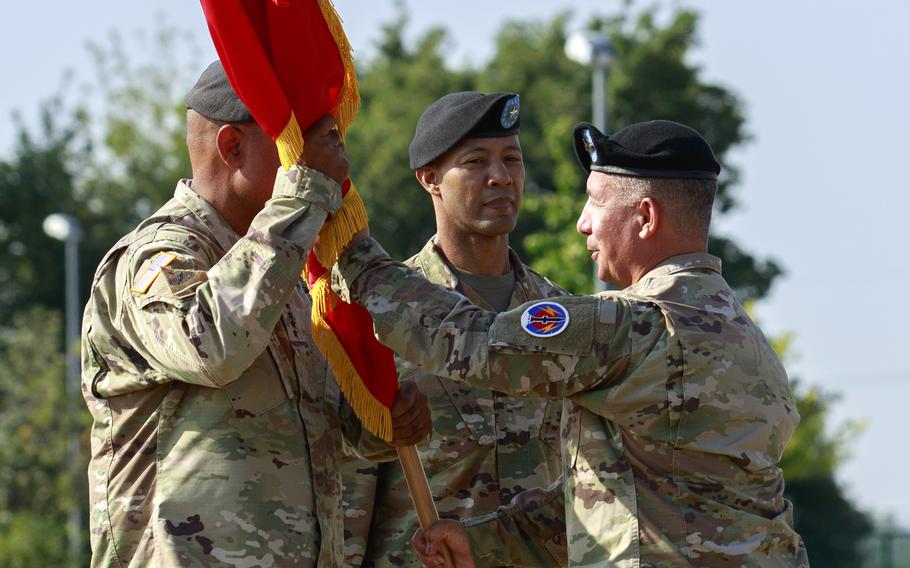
<point x="510" y="112"/>
<point x="653" y="149"/>
<point x="545" y="319"/>
<point x="588" y="140"/>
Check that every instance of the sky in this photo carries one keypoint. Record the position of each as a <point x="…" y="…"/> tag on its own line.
<point x="825" y="86"/>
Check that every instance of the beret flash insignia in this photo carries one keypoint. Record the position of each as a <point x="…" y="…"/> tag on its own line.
<point x="510" y="112"/>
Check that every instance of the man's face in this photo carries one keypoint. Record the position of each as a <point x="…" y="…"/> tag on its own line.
<point x="608" y="222"/>
<point x="480" y="185"/>
<point x="261" y="162"/>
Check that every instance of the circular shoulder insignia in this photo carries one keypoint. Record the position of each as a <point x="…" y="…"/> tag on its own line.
<point x="510" y="112"/>
<point x="545" y="319"/>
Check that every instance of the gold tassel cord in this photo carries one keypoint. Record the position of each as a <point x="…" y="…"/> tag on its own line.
<point x="338" y="231"/>
<point x="290" y="143"/>
<point x="349" y="98"/>
<point x="374" y="416"/>
<point x="333" y="237"/>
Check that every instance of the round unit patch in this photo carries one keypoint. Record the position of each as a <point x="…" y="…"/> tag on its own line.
<point x="545" y="319"/>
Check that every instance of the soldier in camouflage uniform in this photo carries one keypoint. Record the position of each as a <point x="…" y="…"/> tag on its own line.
<point x="486" y="446"/>
<point x="209" y="398"/>
<point x="676" y="409"/>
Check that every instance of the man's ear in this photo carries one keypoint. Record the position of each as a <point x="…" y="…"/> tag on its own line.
<point x="427" y="177"/>
<point x="650" y="218"/>
<point x="229" y="141"/>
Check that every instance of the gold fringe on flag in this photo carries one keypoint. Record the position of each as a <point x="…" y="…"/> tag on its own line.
<point x="290" y="143"/>
<point x="334" y="236"/>
<point x="338" y="231"/>
<point x="375" y="417"/>
<point x="349" y="98"/>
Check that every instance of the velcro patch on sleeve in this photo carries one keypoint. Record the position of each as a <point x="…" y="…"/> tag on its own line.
<point x="561" y="326"/>
<point x="150" y="271"/>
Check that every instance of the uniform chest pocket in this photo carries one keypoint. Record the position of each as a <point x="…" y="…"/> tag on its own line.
<point x="460" y="424"/>
<point x="258" y="390"/>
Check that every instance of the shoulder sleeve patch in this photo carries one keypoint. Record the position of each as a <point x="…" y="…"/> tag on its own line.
<point x="150" y="270"/>
<point x="563" y="326"/>
<point x="545" y="319"/>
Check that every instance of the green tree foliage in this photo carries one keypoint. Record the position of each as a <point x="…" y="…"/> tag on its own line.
<point x="37" y="487"/>
<point x="396" y="87"/>
<point x="138" y="133"/>
<point x="109" y="160"/>
<point x="37" y="180"/>
<point x="833" y="528"/>
<point x="815" y="450"/>
<point x="650" y="79"/>
<point x="831" y="525"/>
<point x="555" y="94"/>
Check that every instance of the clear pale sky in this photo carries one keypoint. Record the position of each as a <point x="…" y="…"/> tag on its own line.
<point x="824" y="187"/>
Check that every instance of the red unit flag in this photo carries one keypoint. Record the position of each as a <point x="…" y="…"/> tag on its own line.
<point x="290" y="63"/>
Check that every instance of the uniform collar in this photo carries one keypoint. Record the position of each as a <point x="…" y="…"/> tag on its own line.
<point x="436" y="268"/>
<point x="207" y="214"/>
<point x="435" y="265"/>
<point x="684" y="262"/>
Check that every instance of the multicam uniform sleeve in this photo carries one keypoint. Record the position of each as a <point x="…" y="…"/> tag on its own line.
<point x="205" y="322"/>
<point x="443" y="332"/>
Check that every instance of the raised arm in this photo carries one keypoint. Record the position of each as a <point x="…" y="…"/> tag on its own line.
<point x="200" y="317"/>
<point x="440" y="330"/>
<point x="203" y="320"/>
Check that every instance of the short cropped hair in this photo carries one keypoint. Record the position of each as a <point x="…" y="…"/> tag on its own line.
<point x="688" y="201"/>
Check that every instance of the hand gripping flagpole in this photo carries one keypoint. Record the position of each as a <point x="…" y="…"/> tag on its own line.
<point x="419" y="487"/>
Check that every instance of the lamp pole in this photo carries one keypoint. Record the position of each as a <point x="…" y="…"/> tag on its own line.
<point x="594" y="48"/>
<point x="66" y="228"/>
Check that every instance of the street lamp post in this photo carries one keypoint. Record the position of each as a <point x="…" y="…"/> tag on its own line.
<point x="66" y="228"/>
<point x="594" y="49"/>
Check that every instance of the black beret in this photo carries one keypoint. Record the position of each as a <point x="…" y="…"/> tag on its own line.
<point x="657" y="148"/>
<point x="456" y="116"/>
<point x="213" y="97"/>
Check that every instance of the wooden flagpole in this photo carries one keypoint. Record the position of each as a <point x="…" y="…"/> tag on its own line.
<point x="419" y="487"/>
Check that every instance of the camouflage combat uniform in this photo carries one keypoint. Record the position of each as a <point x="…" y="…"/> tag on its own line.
<point x="208" y="395"/>
<point x="676" y="413"/>
<point x="486" y="447"/>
